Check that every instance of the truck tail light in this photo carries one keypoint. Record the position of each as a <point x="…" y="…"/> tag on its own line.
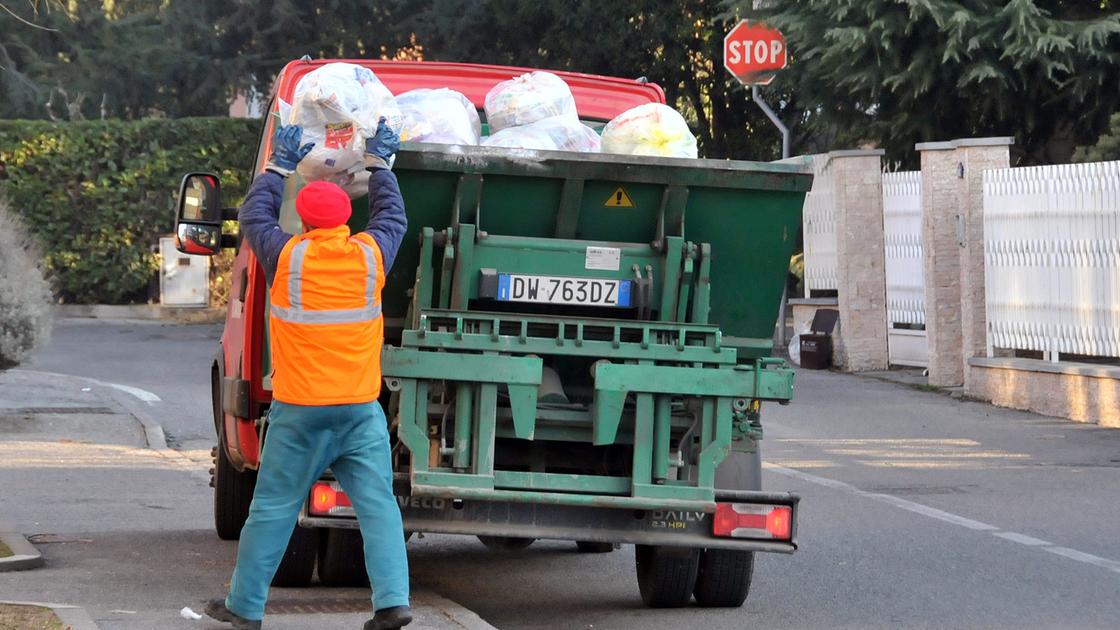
<point x="752" y="520"/>
<point x="328" y="499"/>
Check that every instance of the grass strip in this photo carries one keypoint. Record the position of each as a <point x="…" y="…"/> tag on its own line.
<point x="17" y="617"/>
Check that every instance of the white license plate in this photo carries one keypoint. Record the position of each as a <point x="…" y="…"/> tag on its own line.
<point x="560" y="290"/>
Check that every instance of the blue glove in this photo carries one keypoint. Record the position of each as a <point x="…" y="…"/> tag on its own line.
<point x="381" y="146"/>
<point x="286" y="150"/>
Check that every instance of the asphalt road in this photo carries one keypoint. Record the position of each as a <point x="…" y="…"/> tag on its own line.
<point x="169" y="360"/>
<point x="918" y="510"/>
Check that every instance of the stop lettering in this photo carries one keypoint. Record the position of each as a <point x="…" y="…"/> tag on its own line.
<point x="754" y="52"/>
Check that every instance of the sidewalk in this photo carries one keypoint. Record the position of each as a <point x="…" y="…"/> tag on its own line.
<point x="182" y="315"/>
<point x="126" y="530"/>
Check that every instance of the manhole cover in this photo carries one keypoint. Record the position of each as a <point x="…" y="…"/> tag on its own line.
<point x="317" y="606"/>
<point x="58" y="410"/>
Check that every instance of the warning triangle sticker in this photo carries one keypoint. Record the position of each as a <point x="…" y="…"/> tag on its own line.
<point x="618" y="199"/>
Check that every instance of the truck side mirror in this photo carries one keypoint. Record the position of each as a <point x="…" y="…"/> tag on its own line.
<point x="198" y="222"/>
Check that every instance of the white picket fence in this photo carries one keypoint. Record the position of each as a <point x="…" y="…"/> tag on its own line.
<point x="1052" y="259"/>
<point x="819" y="225"/>
<point x="906" y="291"/>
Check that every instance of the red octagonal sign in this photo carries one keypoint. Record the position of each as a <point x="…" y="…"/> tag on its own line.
<point x="754" y="53"/>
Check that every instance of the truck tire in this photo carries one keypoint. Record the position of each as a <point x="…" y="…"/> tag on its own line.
<point x="233" y="493"/>
<point x="586" y="546"/>
<point x="666" y="575"/>
<point x="725" y="575"/>
<point x="724" y="578"/>
<point x="506" y="543"/>
<point x="298" y="563"/>
<point x="341" y="558"/>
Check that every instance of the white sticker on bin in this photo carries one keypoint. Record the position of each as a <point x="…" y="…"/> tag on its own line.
<point x="604" y="258"/>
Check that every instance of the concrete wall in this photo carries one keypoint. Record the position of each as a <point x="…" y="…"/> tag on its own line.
<point x="1085" y="393"/>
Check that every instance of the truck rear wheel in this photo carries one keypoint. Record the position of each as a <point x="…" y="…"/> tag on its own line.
<point x="724" y="578"/>
<point x="666" y="575"/>
<point x="341" y="558"/>
<point x="233" y="493"/>
<point x="725" y="575"/>
<point x="298" y="563"/>
<point x="505" y="543"/>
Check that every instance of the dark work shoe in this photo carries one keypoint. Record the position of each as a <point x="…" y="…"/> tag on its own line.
<point x="216" y="609"/>
<point x="390" y="619"/>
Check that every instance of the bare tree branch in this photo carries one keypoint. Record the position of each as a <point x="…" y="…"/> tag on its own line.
<point x="50" y="110"/>
<point x="75" y="108"/>
<point x="31" y="24"/>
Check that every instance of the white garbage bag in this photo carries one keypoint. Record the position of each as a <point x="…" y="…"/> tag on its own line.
<point x="441" y="116"/>
<point x="795" y="350"/>
<point x="528" y="98"/>
<point x="558" y="133"/>
<point x="338" y="106"/>
<point x="794" y="347"/>
<point x="651" y="129"/>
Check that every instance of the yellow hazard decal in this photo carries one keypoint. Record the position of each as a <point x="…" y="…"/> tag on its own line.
<point x="618" y="199"/>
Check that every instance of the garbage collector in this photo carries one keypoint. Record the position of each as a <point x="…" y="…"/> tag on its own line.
<point x="326" y="333"/>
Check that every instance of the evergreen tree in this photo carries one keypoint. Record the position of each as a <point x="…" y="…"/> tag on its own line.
<point x="1107" y="147"/>
<point x="894" y="72"/>
<point x="676" y="44"/>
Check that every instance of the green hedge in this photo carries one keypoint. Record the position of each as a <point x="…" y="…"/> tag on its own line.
<point x="99" y="194"/>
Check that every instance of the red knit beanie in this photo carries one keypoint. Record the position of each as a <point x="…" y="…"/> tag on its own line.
<point x="323" y="205"/>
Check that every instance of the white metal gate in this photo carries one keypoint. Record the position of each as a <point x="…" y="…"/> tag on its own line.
<point x="819" y="217"/>
<point x="1052" y="259"/>
<point x="906" y="293"/>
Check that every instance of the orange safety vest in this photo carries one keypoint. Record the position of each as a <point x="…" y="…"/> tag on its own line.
<point x="326" y="328"/>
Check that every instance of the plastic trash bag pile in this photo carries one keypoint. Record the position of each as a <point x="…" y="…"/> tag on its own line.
<point x="440" y="116"/>
<point x="339" y="104"/>
<point x="548" y="134"/>
<point x="651" y="129"/>
<point x="528" y="98"/>
<point x="536" y="111"/>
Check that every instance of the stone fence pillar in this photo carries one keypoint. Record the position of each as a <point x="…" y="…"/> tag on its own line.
<point x="953" y="249"/>
<point x="861" y="284"/>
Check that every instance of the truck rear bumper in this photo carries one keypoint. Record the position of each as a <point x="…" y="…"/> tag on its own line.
<point x="670" y="527"/>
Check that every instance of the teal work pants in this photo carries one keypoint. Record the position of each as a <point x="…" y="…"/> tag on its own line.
<point x="302" y="442"/>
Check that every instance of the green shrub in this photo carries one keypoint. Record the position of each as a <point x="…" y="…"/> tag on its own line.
<point x="25" y="296"/>
<point x="99" y="194"/>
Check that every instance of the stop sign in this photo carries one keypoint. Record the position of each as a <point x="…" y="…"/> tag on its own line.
<point x="754" y="53"/>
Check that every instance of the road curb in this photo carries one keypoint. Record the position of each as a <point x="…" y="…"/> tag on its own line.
<point x="25" y="555"/>
<point x="126" y="400"/>
<point x="155" y="312"/>
<point x="153" y="430"/>
<point x="128" y="403"/>
<point x="457" y="613"/>
<point x="74" y="617"/>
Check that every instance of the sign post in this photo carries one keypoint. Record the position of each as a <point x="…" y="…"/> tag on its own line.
<point x="753" y="54"/>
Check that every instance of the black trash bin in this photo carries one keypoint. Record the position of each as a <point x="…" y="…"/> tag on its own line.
<point x="816" y="345"/>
